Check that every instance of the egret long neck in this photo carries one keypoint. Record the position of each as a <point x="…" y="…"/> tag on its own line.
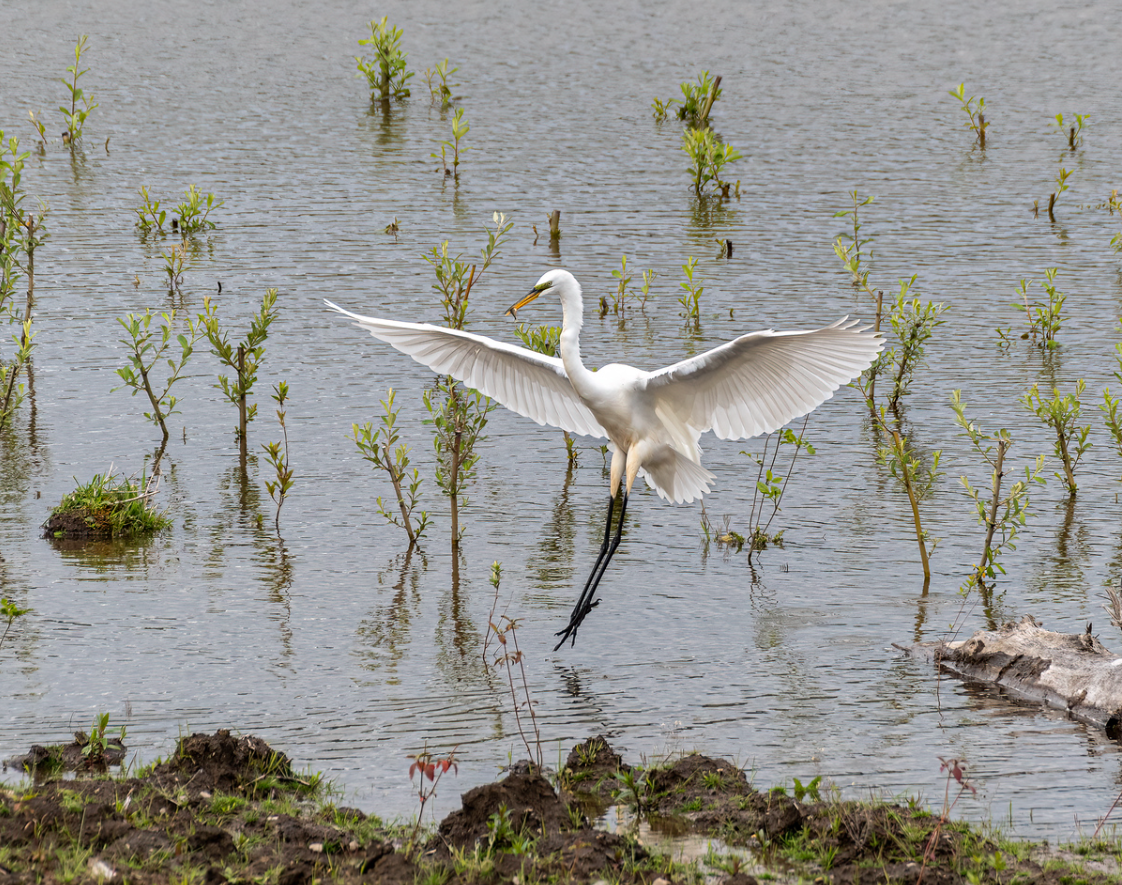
<point x="572" y="309"/>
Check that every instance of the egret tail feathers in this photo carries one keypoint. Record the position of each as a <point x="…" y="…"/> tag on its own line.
<point x="675" y="477"/>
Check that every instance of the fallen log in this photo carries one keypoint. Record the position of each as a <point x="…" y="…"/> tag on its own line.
<point x="1066" y="671"/>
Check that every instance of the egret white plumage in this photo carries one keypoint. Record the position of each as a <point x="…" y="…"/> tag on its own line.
<point x="653" y="420"/>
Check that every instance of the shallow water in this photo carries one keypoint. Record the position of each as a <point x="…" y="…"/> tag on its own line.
<point x="338" y="648"/>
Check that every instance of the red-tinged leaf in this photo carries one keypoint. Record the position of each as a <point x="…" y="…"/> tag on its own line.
<point x="413" y="770"/>
<point x="430" y="770"/>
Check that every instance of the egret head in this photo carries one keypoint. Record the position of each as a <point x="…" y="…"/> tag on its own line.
<point x="549" y="280"/>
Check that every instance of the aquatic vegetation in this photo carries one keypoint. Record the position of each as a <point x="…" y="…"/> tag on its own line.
<point x="619" y="296"/>
<point x="458" y="416"/>
<point x="460" y="129"/>
<point x="243" y="359"/>
<point x="1062" y="414"/>
<point x="190" y="216"/>
<point x="11" y="611"/>
<point x="1003" y="513"/>
<point x="149" y="214"/>
<point x="1044" y="318"/>
<point x="443" y="89"/>
<point x="393" y="228"/>
<point x="21" y="233"/>
<point x="1061" y="185"/>
<point x="175" y="263"/>
<point x="1111" y="404"/>
<point x="914" y="323"/>
<point x="385" y="72"/>
<point x="276" y="453"/>
<point x="916" y="478"/>
<point x="145" y="350"/>
<point x="80" y="104"/>
<point x="690" y="299"/>
<point x="708" y="158"/>
<point x="696" y="103"/>
<point x="771" y="486"/>
<point x="107" y="506"/>
<point x="194" y="212"/>
<point x="975" y="110"/>
<point x="645" y="289"/>
<point x="852" y="257"/>
<point x="383" y="449"/>
<point x="455" y="276"/>
<point x="554" y="226"/>
<point x="1072" y="131"/>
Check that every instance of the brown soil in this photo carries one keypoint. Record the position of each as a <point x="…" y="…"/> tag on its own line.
<point x="225" y="809"/>
<point x="78" y="524"/>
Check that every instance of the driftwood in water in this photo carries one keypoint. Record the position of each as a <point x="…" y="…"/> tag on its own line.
<point x="1066" y="671"/>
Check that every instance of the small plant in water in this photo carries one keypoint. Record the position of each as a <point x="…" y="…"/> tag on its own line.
<point x="458" y="416"/>
<point x="385" y="72"/>
<point x="80" y="103"/>
<point x="1062" y="414"/>
<point x="175" y="262"/>
<point x="1003" y="513"/>
<point x="194" y="211"/>
<point x="1072" y="130"/>
<point x="460" y="129"/>
<point x="708" y="158"/>
<point x="914" y="323"/>
<point x="1110" y="405"/>
<point x="852" y="252"/>
<point x="383" y="449"/>
<point x="975" y="110"/>
<point x="149" y="214"/>
<point x="690" y="299"/>
<point x="11" y="612"/>
<point x="1044" y="318"/>
<point x="147" y="347"/>
<point x="243" y="359"/>
<point x="917" y="479"/>
<point x="276" y="453"/>
<point x="1061" y="185"/>
<point x="771" y="486"/>
<point x="441" y="90"/>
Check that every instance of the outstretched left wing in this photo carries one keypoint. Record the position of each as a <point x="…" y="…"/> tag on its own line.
<point x="763" y="380"/>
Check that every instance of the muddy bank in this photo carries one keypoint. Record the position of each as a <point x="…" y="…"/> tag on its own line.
<point x="231" y="809"/>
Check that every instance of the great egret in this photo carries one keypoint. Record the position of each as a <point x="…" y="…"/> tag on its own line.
<point x="653" y="420"/>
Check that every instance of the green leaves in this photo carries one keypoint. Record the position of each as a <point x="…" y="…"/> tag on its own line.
<point x="691" y="299"/>
<point x="146" y="347"/>
<point x="276" y="453"/>
<point x="975" y="112"/>
<point x="75" y="115"/>
<point x="383" y="449"/>
<point x="708" y="157"/>
<point x="1062" y="414"/>
<point x="385" y="73"/>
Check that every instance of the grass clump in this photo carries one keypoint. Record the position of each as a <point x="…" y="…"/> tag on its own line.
<point x="108" y="506"/>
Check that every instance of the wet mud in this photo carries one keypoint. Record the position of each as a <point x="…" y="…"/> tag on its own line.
<point x="225" y="808"/>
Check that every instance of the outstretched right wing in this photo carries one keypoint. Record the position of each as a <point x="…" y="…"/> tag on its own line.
<point x="531" y="384"/>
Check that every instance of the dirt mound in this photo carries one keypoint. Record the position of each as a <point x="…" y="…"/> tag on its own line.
<point x="590" y="771"/>
<point x="78" y="525"/>
<point x="42" y="761"/>
<point x="220" y="761"/>
<point x="525" y="796"/>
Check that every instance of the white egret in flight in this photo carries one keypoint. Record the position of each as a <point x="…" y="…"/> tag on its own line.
<point x="653" y="420"/>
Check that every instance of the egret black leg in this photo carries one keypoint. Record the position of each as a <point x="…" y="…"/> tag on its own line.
<point x="585" y="603"/>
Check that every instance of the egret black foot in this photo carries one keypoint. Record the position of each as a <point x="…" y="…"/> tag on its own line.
<point x="577" y="618"/>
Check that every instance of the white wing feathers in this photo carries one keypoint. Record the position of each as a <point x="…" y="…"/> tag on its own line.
<point x="528" y="383"/>
<point x="763" y="380"/>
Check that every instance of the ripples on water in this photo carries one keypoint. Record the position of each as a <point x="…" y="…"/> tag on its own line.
<point x="346" y="653"/>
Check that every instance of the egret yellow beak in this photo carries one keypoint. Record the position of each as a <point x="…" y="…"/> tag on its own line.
<point x="512" y="312"/>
